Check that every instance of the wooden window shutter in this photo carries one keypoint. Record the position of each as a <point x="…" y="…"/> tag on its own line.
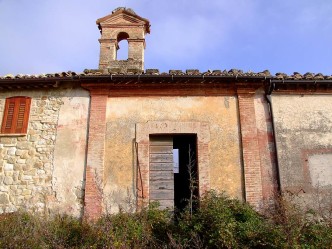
<point x="16" y="115"/>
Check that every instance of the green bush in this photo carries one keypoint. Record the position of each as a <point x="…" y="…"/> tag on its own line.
<point x="218" y="222"/>
<point x="221" y="222"/>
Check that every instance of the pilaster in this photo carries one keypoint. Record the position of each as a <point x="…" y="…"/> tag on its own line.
<point x="250" y="148"/>
<point x="94" y="182"/>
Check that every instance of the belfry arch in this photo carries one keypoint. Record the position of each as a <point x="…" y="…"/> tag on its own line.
<point x="122" y="46"/>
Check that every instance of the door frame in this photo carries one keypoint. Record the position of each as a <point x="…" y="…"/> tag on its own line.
<point x="143" y="132"/>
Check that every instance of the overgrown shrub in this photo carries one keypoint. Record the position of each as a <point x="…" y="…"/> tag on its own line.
<point x="19" y="230"/>
<point x="221" y="222"/>
<point x="218" y="222"/>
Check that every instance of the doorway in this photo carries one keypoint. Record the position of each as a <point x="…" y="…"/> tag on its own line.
<point x="186" y="181"/>
<point x="173" y="170"/>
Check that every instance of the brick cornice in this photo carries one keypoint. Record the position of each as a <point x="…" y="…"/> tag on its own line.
<point x="96" y="89"/>
<point x="243" y="88"/>
<point x="246" y="91"/>
<point x="143" y="85"/>
<point x="107" y="41"/>
<point x="169" y="86"/>
<point x="127" y="25"/>
<point x="135" y="40"/>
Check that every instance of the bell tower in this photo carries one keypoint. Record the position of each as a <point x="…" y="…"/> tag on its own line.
<point x="122" y="24"/>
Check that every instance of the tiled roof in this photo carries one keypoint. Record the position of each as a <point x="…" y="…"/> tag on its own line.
<point x="189" y="72"/>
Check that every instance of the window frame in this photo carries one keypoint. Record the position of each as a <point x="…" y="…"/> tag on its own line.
<point x="16" y="115"/>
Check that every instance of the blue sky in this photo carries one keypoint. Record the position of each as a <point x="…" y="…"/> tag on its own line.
<point x="45" y="36"/>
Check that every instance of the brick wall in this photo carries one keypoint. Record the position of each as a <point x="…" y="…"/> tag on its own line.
<point x="95" y="157"/>
<point x="250" y="149"/>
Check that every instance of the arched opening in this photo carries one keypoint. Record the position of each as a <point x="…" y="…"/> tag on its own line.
<point x="122" y="46"/>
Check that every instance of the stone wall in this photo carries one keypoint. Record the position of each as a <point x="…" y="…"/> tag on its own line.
<point x="34" y="171"/>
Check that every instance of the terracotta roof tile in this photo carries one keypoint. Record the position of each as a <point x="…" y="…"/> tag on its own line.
<point x="225" y="73"/>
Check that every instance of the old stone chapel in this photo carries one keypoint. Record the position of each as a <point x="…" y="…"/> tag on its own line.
<point x="89" y="143"/>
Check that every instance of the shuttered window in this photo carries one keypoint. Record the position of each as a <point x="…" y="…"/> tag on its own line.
<point x="16" y="115"/>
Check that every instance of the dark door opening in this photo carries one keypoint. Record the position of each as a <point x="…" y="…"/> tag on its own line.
<point x="186" y="180"/>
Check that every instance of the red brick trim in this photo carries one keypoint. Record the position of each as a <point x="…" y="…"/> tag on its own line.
<point x="165" y="88"/>
<point x="266" y="148"/>
<point x="250" y="149"/>
<point x="143" y="131"/>
<point x="95" y="157"/>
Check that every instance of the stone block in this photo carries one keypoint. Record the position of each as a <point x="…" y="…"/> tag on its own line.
<point x="8" y="180"/>
<point x="26" y="177"/>
<point x="31" y="172"/>
<point x="22" y="161"/>
<point x="41" y="142"/>
<point x="3" y="151"/>
<point x="10" y="209"/>
<point x="16" y="174"/>
<point x="23" y="145"/>
<point x="32" y="152"/>
<point x="26" y="167"/>
<point x="40" y="110"/>
<point x="37" y="126"/>
<point x="9" y="167"/>
<point x="34" y="138"/>
<point x="23" y="138"/>
<point x="41" y="172"/>
<point x="11" y="151"/>
<point x="4" y="188"/>
<point x="26" y="192"/>
<point x="34" y="132"/>
<point x="19" y="152"/>
<point x="4" y="200"/>
<point x="30" y="162"/>
<point x="18" y="167"/>
<point x="9" y="173"/>
<point x="8" y="140"/>
<point x="11" y="160"/>
<point x="25" y="155"/>
<point x="38" y="165"/>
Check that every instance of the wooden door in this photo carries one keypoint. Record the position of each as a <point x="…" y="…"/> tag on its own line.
<point x="161" y="171"/>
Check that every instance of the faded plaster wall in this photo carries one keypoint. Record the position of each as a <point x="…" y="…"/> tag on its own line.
<point x="124" y="112"/>
<point x="43" y="170"/>
<point x="70" y="152"/>
<point x="304" y="144"/>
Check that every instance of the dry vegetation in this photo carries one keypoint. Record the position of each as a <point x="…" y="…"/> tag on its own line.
<point x="219" y="222"/>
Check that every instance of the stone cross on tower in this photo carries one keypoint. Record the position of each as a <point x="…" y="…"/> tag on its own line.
<point x="122" y="24"/>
